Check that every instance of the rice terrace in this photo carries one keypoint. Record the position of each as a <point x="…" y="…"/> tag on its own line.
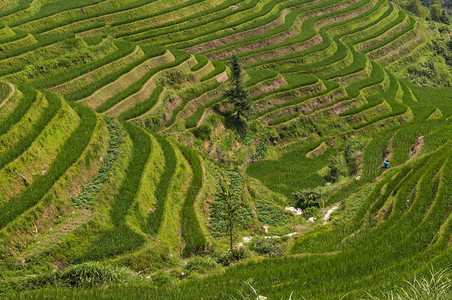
<point x="225" y="149"/>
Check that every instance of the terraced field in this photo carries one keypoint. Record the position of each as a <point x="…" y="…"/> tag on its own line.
<point x="115" y="134"/>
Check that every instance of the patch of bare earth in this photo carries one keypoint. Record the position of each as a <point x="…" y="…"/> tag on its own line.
<point x="416" y="147"/>
<point x="222" y="77"/>
<point x="172" y="105"/>
<point x="275" y="84"/>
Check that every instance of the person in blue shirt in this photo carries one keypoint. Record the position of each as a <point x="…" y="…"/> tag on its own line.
<point x="386" y="164"/>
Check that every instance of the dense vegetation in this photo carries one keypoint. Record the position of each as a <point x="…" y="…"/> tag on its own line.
<point x="123" y="125"/>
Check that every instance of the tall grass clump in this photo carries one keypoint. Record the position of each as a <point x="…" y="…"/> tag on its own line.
<point x="436" y="286"/>
<point x="92" y="274"/>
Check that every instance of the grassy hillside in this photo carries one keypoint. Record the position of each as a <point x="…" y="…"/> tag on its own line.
<point x="116" y="136"/>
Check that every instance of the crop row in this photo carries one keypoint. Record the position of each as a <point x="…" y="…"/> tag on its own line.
<point x="195" y="242"/>
<point x="68" y="154"/>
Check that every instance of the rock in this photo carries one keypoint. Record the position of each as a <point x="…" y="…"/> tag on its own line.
<point x="296" y="211"/>
<point x="246" y="239"/>
<point x="291" y="234"/>
<point x="312" y="219"/>
<point x="25" y="180"/>
<point x="239" y="245"/>
<point x="328" y="214"/>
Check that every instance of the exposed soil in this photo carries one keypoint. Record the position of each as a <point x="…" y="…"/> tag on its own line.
<point x="275" y="84"/>
<point x="416" y="147"/>
<point x="176" y="102"/>
<point x="222" y="77"/>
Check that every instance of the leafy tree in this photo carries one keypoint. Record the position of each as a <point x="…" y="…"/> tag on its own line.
<point x="237" y="94"/>
<point x="307" y="198"/>
<point x="229" y="201"/>
<point x="444" y="18"/>
<point x="415" y="7"/>
<point x="435" y="12"/>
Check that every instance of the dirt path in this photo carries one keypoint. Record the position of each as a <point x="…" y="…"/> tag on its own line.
<point x="327" y="216"/>
<point x="10" y="94"/>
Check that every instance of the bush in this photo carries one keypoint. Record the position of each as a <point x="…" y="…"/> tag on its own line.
<point x="263" y="246"/>
<point x="202" y="132"/>
<point x="200" y="264"/>
<point x="310" y="212"/>
<point x="308" y="198"/>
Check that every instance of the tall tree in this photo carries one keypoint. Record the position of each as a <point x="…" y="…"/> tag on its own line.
<point x="237" y="94"/>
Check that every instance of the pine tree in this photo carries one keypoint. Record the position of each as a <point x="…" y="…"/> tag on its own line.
<point x="237" y="94"/>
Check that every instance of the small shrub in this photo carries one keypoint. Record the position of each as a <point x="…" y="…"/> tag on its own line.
<point x="202" y="132"/>
<point x="200" y="264"/>
<point x="270" y="247"/>
<point x="351" y="154"/>
<point x="337" y="168"/>
<point x="153" y="122"/>
<point x="162" y="278"/>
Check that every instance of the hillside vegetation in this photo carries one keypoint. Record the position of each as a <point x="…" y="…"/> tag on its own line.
<point x="116" y="136"/>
